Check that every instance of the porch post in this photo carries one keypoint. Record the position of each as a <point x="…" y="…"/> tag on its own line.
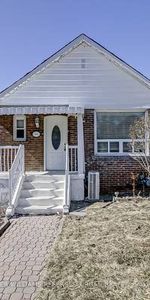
<point x="80" y="144"/>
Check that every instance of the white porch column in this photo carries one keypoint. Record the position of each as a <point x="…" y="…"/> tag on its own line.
<point x="80" y="144"/>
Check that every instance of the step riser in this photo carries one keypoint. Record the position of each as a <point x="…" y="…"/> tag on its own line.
<point x="41" y="193"/>
<point x="40" y="202"/>
<point x="43" y="185"/>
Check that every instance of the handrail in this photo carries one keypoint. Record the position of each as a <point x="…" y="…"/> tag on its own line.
<point x="67" y="183"/>
<point x="9" y="147"/>
<point x="16" y="175"/>
<point x="7" y="156"/>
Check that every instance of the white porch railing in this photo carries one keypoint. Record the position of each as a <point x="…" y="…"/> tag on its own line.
<point x="73" y="158"/>
<point x="67" y="183"/>
<point x="16" y="175"/>
<point x="7" y="156"/>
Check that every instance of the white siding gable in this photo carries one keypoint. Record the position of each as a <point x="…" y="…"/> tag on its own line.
<point x="83" y="77"/>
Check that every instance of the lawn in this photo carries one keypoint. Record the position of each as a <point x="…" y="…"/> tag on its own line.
<point x="105" y="255"/>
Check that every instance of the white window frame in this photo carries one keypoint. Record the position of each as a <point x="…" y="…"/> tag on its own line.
<point x="120" y="153"/>
<point x="15" y="119"/>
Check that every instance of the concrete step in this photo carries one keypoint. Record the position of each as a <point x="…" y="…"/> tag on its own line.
<point x="43" y="184"/>
<point x="42" y="210"/>
<point x="44" y="177"/>
<point x="41" y="201"/>
<point x="42" y="193"/>
<point x="25" y="193"/>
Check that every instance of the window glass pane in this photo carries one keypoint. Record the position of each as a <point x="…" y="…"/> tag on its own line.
<point x="56" y="137"/>
<point x="115" y="125"/>
<point x="20" y="123"/>
<point x="114" y="146"/>
<point x="102" y="147"/>
<point x="127" y="147"/>
<point x="20" y="134"/>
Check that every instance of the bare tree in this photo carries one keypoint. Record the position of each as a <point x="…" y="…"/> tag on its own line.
<point x="139" y="146"/>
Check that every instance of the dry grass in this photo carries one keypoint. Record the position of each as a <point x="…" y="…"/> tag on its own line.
<point x="105" y="255"/>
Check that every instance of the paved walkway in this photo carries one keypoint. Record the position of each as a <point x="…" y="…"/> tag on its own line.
<point x="24" y="249"/>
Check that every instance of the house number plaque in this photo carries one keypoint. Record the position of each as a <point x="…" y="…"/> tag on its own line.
<point x="36" y="133"/>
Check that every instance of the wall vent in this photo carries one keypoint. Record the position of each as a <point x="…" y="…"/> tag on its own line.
<point x="83" y="63"/>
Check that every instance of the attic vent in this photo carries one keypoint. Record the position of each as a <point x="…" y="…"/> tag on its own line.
<point x="83" y="61"/>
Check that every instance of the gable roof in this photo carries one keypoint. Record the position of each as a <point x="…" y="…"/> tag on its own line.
<point x="69" y="47"/>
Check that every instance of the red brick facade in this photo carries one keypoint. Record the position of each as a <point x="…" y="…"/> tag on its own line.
<point x="115" y="172"/>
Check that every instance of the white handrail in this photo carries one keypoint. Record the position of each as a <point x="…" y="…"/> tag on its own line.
<point x="7" y="156"/>
<point x="16" y="175"/>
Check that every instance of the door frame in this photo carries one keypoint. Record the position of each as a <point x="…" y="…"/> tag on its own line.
<point x="45" y="120"/>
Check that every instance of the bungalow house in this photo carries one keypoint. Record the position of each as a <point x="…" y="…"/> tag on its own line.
<point x="68" y="116"/>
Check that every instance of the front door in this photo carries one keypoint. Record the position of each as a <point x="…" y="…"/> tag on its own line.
<point x="56" y="133"/>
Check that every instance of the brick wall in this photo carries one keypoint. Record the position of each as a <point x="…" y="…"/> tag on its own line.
<point x="34" y="147"/>
<point x="72" y="130"/>
<point x="115" y="172"/>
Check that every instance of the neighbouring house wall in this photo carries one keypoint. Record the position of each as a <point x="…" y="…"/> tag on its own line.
<point x="34" y="147"/>
<point x="115" y="171"/>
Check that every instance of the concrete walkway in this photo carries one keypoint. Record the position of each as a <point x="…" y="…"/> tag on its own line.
<point x="24" y="249"/>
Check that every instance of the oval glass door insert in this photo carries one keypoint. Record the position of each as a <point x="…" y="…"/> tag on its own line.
<point x="56" y="137"/>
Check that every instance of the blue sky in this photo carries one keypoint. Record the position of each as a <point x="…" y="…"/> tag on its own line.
<point x="32" y="30"/>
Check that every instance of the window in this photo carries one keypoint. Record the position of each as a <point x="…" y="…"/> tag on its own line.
<point x="56" y="137"/>
<point x="19" y="128"/>
<point x="112" y="131"/>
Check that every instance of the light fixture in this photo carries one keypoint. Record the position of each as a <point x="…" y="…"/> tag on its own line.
<point x="37" y="122"/>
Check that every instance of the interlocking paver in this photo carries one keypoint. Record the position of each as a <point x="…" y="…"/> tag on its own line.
<point x="16" y="296"/>
<point x="15" y="278"/>
<point x="24" y="249"/>
<point x="26" y="272"/>
<point x="5" y="297"/>
<point x="29" y="290"/>
<point x="9" y="290"/>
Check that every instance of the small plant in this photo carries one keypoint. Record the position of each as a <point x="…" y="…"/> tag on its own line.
<point x="139" y="134"/>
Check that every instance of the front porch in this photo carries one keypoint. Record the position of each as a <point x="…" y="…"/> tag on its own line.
<point x="59" y="157"/>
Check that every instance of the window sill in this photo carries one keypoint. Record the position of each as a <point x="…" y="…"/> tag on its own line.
<point x="117" y="154"/>
<point x="19" y="140"/>
<point x="111" y="154"/>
